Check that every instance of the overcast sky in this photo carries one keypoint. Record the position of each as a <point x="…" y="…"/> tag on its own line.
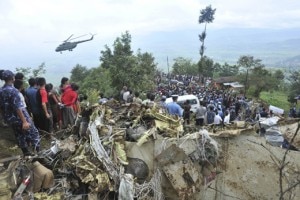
<point x="31" y="29"/>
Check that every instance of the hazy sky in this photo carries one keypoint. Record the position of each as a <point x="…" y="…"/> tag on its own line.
<point x="31" y="29"/>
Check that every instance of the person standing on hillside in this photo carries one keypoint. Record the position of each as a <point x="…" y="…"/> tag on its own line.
<point x="200" y="114"/>
<point x="2" y="123"/>
<point x="186" y="112"/>
<point x="45" y="121"/>
<point x="18" y="84"/>
<point x="70" y="99"/>
<point x="163" y="104"/>
<point x="210" y="116"/>
<point x="174" y="108"/>
<point x="227" y="117"/>
<point x="30" y="94"/>
<point x="217" y="119"/>
<point x="15" y="114"/>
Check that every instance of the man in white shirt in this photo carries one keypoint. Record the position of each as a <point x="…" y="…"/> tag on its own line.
<point x="217" y="120"/>
<point x="126" y="95"/>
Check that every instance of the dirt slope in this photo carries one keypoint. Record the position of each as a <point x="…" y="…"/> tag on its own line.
<point x="248" y="171"/>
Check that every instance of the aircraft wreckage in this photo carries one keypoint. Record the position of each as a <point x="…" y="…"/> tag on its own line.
<point x="119" y="152"/>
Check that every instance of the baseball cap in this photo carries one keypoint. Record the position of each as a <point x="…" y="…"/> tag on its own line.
<point x="7" y="74"/>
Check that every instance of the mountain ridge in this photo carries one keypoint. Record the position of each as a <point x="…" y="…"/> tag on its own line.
<point x="273" y="47"/>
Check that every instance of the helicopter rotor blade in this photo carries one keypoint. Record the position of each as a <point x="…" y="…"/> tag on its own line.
<point x="68" y="38"/>
<point x="78" y="37"/>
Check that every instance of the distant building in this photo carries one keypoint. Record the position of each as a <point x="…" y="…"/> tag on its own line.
<point x="227" y="82"/>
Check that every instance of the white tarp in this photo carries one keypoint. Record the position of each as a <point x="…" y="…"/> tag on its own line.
<point x="276" y="110"/>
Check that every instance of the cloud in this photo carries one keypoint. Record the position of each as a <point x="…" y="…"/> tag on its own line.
<point x="110" y="17"/>
<point x="27" y="25"/>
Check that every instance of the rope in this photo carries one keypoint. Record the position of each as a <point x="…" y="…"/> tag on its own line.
<point x="146" y="190"/>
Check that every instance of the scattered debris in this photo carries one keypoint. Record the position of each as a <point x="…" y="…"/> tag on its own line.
<point x="125" y="152"/>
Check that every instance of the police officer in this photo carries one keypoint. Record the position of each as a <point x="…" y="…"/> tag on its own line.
<point x="16" y="115"/>
<point x="174" y="108"/>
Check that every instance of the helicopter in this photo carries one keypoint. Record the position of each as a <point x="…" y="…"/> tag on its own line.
<point x="67" y="45"/>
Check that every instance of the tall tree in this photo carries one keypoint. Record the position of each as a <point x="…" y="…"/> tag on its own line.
<point x="248" y="63"/>
<point x="206" y="16"/>
<point x="125" y="68"/>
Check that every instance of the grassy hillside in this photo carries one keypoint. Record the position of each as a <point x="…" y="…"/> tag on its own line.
<point x="276" y="98"/>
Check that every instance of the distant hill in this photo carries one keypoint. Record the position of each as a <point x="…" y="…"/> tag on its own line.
<point x="276" y="48"/>
<point x="292" y="63"/>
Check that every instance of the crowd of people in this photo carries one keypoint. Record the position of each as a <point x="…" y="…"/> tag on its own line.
<point x="38" y="108"/>
<point x="42" y="108"/>
<point x="217" y="106"/>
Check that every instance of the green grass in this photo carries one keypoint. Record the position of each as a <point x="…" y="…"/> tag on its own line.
<point x="276" y="98"/>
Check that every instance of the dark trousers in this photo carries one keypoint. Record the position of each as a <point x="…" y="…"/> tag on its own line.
<point x="200" y="122"/>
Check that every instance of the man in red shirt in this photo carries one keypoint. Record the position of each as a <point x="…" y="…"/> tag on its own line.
<point x="70" y="99"/>
<point x="44" y="120"/>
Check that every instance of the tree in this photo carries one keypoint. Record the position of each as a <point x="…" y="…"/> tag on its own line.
<point x="294" y="90"/>
<point x="78" y="74"/>
<point x="106" y="57"/>
<point x="135" y="71"/>
<point x="279" y="75"/>
<point x="261" y="79"/>
<point x="248" y="62"/>
<point x="183" y="66"/>
<point x="40" y="70"/>
<point x="206" y="67"/>
<point x="98" y="79"/>
<point x="206" y="16"/>
<point x="32" y="72"/>
<point x="227" y="70"/>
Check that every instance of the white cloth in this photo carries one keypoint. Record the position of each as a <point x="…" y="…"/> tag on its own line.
<point x="227" y="119"/>
<point x="126" y="95"/>
<point x="217" y="119"/>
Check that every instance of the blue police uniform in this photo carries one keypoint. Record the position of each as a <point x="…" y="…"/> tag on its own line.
<point x="174" y="109"/>
<point x="10" y="102"/>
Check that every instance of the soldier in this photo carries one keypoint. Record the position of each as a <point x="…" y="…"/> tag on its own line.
<point x="15" y="114"/>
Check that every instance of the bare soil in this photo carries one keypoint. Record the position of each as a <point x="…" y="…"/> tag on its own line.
<point x="249" y="169"/>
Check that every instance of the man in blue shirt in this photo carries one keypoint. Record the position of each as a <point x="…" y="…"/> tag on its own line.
<point x="173" y="108"/>
<point x="16" y="115"/>
<point x="31" y="97"/>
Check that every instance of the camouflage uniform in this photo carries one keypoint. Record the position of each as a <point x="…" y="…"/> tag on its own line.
<point x="10" y="102"/>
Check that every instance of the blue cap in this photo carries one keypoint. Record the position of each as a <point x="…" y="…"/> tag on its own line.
<point x="7" y="74"/>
